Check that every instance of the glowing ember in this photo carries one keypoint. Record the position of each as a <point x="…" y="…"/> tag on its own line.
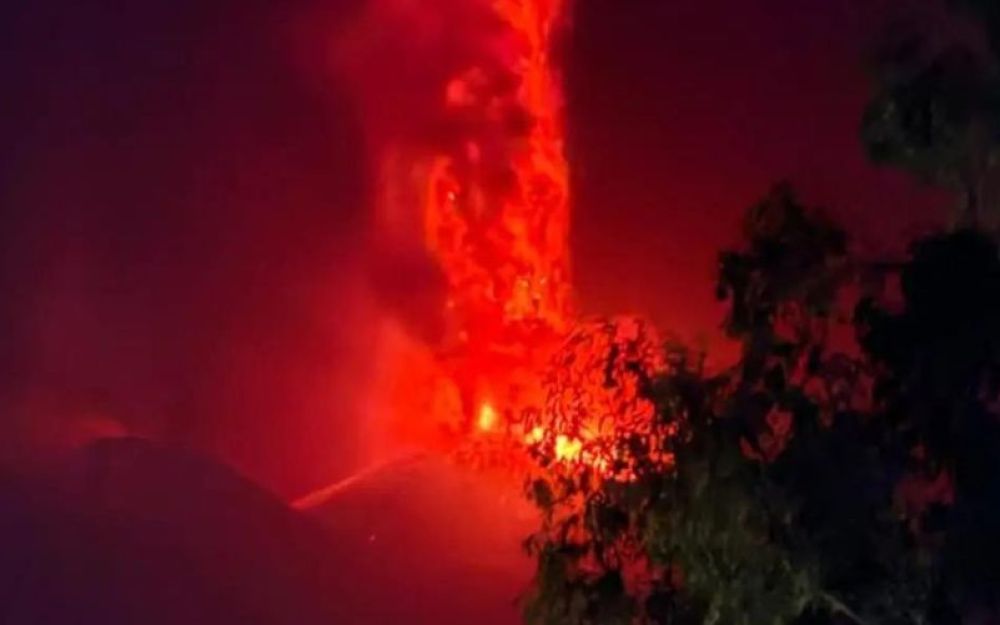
<point x="567" y="448"/>
<point x="536" y="435"/>
<point x="487" y="418"/>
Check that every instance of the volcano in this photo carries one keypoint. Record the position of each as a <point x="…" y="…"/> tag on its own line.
<point x="128" y="531"/>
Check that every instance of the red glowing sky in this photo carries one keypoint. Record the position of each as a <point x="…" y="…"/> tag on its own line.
<point x="184" y="199"/>
<point x="682" y="113"/>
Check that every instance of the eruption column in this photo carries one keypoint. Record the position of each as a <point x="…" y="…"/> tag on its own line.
<point x="516" y="366"/>
<point x="497" y="213"/>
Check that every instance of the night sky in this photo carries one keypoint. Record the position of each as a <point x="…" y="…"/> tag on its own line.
<point x="185" y="186"/>
<point x="683" y="113"/>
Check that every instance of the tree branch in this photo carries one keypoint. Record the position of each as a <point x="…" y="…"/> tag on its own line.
<point x="839" y="607"/>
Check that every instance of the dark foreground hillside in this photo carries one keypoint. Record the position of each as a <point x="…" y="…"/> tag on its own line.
<point x="127" y="531"/>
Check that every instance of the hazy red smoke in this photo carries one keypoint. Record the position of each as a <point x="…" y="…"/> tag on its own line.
<point x="190" y="245"/>
<point x="183" y="238"/>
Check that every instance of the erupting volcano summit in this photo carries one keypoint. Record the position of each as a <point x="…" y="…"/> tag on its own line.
<point x="496" y="219"/>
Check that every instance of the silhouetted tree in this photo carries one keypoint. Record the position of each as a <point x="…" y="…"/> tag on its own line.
<point x="847" y="468"/>
<point x="940" y="375"/>
<point x="936" y="109"/>
<point x="819" y="480"/>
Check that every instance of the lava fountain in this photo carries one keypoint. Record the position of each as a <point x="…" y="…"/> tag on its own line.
<point x="497" y="219"/>
<point x="515" y="365"/>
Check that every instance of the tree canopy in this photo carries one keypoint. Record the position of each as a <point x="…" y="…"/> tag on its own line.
<point x="819" y="480"/>
<point x="847" y="468"/>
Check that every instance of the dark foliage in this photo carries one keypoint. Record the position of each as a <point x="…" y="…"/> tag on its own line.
<point x="821" y="479"/>
<point x="942" y="353"/>
<point x="813" y="482"/>
<point x="936" y="109"/>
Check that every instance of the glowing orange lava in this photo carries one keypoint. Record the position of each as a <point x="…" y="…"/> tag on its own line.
<point x="496" y="218"/>
<point x="487" y="417"/>
<point x="497" y="208"/>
